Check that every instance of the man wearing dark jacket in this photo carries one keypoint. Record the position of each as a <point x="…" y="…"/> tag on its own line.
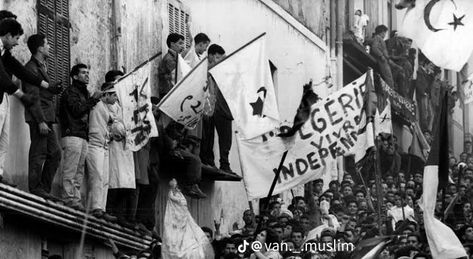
<point x="75" y="107"/>
<point x="380" y="52"/>
<point x="10" y="32"/>
<point x="221" y="120"/>
<point x="44" y="148"/>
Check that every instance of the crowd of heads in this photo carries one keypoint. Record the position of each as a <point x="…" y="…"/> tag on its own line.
<point x="346" y="211"/>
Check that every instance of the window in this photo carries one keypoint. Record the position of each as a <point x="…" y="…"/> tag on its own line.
<point x="53" y="22"/>
<point x="178" y="21"/>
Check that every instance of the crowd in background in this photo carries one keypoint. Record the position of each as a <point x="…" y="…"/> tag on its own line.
<point x="122" y="185"/>
<point x="347" y="213"/>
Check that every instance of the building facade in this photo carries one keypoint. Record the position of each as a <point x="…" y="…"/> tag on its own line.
<point x="120" y="34"/>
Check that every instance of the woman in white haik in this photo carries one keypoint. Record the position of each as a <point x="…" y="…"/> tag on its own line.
<point x="182" y="237"/>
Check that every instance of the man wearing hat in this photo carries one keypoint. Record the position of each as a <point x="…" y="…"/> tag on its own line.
<point x="100" y="121"/>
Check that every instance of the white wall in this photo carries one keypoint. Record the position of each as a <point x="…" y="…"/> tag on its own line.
<point x="16" y="165"/>
<point x="359" y="5"/>
<point x="231" y="24"/>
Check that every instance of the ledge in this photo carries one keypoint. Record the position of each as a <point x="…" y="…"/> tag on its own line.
<point x="214" y="174"/>
<point x="37" y="208"/>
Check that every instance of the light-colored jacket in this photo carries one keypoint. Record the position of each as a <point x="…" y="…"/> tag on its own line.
<point x="122" y="167"/>
<point x="99" y="119"/>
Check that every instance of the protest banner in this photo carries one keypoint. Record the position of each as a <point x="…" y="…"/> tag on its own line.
<point x="134" y="95"/>
<point x="185" y="102"/>
<point x="331" y="131"/>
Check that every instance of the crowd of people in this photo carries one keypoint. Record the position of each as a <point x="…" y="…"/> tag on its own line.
<point x="119" y="185"/>
<point x="396" y="63"/>
<point x="122" y="185"/>
<point x="346" y="213"/>
<point x="92" y="135"/>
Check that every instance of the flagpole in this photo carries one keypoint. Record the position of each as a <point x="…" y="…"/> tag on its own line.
<point x="273" y="184"/>
<point x="368" y="194"/>
<point x="276" y="176"/>
<point x="180" y="82"/>
<point x="377" y="171"/>
<point x="175" y="70"/>
<point x="377" y="158"/>
<point x="140" y="65"/>
<point x="238" y="50"/>
<point x="402" y="198"/>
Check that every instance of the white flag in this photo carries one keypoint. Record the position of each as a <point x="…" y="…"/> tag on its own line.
<point x="185" y="102"/>
<point x="442" y="29"/>
<point x="383" y="120"/>
<point x="183" y="68"/>
<point x="381" y="123"/>
<point x="244" y="78"/>
<point x="134" y="94"/>
<point x="192" y="59"/>
<point x="331" y="131"/>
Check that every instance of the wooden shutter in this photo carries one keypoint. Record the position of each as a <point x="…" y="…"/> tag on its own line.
<point x="53" y="22"/>
<point x="177" y="22"/>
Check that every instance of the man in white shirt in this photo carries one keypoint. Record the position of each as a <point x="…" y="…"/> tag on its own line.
<point x="194" y="55"/>
<point x="197" y="52"/>
<point x="397" y="213"/>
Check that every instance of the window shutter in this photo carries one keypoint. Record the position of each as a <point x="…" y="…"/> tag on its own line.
<point x="171" y="18"/>
<point x="53" y="22"/>
<point x="177" y="22"/>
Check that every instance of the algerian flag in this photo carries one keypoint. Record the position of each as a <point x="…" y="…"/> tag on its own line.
<point x="183" y="68"/>
<point x="185" y="102"/>
<point x="442" y="29"/>
<point x="244" y="78"/>
<point x="443" y="242"/>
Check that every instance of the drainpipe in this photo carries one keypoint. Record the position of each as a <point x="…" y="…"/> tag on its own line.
<point x="116" y="34"/>
<point x="337" y="12"/>
<point x="333" y="25"/>
<point x="340" y="14"/>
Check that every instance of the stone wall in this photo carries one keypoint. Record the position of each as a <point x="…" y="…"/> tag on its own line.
<point x="16" y="168"/>
<point x="314" y="14"/>
<point x="90" y="37"/>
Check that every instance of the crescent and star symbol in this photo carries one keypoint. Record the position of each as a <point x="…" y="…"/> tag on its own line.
<point x="258" y="104"/>
<point x="457" y="21"/>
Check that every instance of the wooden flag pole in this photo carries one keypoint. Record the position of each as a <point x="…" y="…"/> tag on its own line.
<point x="377" y="172"/>
<point x="273" y="185"/>
<point x="236" y="51"/>
<point x="368" y="194"/>
<point x="175" y="70"/>
<point x="140" y="65"/>
<point x="176" y="86"/>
